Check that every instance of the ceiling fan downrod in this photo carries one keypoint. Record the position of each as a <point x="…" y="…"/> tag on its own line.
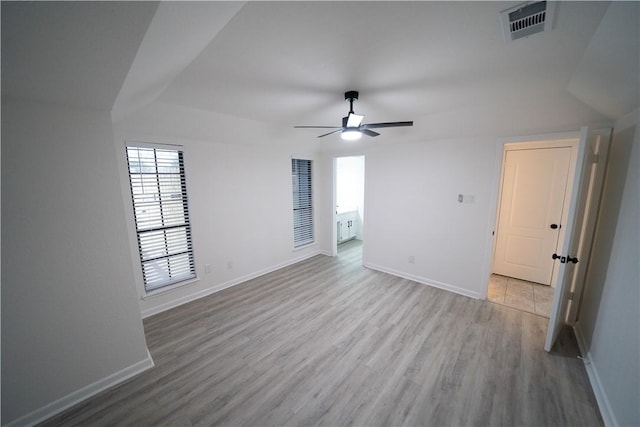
<point x="351" y="96"/>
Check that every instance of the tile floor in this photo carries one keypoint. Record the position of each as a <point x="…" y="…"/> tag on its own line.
<point x="520" y="294"/>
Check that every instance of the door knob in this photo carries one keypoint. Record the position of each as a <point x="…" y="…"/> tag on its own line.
<point x="554" y="226"/>
<point x="565" y="259"/>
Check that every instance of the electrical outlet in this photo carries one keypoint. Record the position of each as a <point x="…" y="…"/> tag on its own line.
<point x="207" y="269"/>
<point x="412" y="260"/>
<point x="229" y="265"/>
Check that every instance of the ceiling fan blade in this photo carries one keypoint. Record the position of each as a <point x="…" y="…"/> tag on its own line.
<point x="369" y="132"/>
<point x="317" y="127"/>
<point x="333" y="131"/>
<point x="387" y="125"/>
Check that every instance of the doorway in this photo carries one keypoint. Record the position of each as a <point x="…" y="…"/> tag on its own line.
<point x="586" y="176"/>
<point x="535" y="185"/>
<point x="349" y="205"/>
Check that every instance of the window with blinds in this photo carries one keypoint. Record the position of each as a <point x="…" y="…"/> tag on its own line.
<point x="159" y="192"/>
<point x="302" y="202"/>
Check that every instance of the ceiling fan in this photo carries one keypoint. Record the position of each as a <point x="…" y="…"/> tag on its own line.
<point x="352" y="127"/>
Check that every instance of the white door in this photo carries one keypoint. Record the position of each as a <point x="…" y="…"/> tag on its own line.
<point x="596" y="161"/>
<point x="533" y="192"/>
<point x="568" y="248"/>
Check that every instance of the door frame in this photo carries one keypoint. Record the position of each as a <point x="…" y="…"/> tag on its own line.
<point x="567" y="270"/>
<point x="586" y="206"/>
<point x="496" y="191"/>
<point x="598" y="161"/>
<point x="334" y="191"/>
<point x="571" y="143"/>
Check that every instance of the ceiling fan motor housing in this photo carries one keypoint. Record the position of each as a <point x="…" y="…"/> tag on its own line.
<point x="351" y="95"/>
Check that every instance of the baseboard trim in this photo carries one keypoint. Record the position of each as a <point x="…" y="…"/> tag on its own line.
<point x="66" y="402"/>
<point x="217" y="288"/>
<point x="594" y="379"/>
<point x="424" y="281"/>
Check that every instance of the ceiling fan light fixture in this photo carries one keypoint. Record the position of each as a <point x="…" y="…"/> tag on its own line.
<point x="351" y="134"/>
<point x="354" y="120"/>
<point x="352" y="127"/>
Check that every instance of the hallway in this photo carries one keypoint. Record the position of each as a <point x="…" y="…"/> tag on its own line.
<point x="520" y="294"/>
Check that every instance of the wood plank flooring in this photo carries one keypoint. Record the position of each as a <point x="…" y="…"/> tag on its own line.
<point x="328" y="342"/>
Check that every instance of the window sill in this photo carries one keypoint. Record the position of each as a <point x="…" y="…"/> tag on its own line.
<point x="305" y="246"/>
<point x="169" y="289"/>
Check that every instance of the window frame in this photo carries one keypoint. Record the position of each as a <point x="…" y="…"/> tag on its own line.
<point x="187" y="272"/>
<point x="302" y="200"/>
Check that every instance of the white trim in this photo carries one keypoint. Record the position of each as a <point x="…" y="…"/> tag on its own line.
<point x="163" y="290"/>
<point x="206" y="292"/>
<point x="541" y="137"/>
<point x="334" y="207"/>
<point x="425" y="281"/>
<point x="596" y="170"/>
<point x="305" y="246"/>
<point x="494" y="200"/>
<point x="83" y="393"/>
<point x="535" y="145"/>
<point x="608" y="416"/>
<point x="144" y="144"/>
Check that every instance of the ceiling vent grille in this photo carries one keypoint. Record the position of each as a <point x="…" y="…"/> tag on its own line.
<point x="527" y="19"/>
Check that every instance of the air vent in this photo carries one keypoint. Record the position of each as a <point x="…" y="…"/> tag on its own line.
<point x="527" y="19"/>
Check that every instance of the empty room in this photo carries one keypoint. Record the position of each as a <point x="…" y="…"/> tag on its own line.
<point x="320" y="213"/>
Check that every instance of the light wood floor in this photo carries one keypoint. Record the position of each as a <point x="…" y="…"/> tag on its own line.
<point x="328" y="342"/>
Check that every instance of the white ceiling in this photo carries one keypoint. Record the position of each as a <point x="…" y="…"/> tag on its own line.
<point x="444" y="65"/>
<point x="291" y="62"/>
<point x="607" y="77"/>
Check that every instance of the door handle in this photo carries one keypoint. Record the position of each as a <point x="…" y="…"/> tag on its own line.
<point x="565" y="259"/>
<point x="554" y="226"/>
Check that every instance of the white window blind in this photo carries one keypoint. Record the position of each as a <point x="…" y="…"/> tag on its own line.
<point x="302" y="202"/>
<point x="159" y="192"/>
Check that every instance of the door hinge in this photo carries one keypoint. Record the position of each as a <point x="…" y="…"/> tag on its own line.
<point x="595" y="158"/>
<point x="571" y="295"/>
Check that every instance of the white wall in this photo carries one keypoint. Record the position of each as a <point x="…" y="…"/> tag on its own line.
<point x="411" y="201"/>
<point x="240" y="200"/>
<point x="609" y="318"/>
<point x="69" y="313"/>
